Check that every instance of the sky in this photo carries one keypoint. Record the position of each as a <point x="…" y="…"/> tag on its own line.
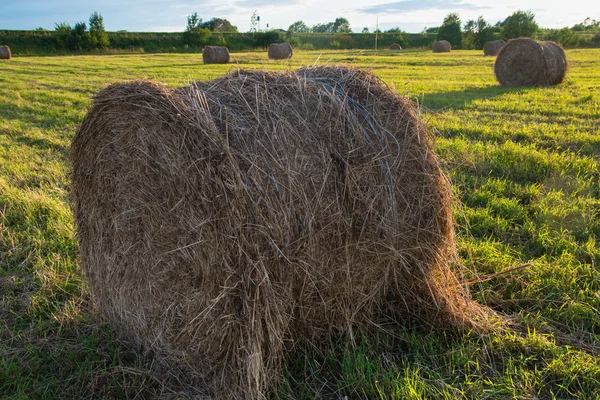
<point x="171" y="15"/>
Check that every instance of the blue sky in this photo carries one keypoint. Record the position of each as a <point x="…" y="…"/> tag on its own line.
<point x="170" y="15"/>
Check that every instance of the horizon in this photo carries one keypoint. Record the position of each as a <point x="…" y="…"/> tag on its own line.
<point x="411" y="16"/>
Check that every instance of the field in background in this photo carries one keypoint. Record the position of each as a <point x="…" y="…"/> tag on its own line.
<point x="525" y="166"/>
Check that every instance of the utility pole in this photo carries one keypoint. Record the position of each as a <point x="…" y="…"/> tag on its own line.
<point x="376" y="33"/>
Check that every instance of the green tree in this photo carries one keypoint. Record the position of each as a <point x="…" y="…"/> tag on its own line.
<point x="519" y="24"/>
<point x="218" y="25"/>
<point x="365" y="30"/>
<point x="341" y="25"/>
<point x="394" y="30"/>
<point x="299" y="26"/>
<point x="450" y="30"/>
<point x="477" y="33"/>
<point x="98" y="35"/>
<point x="80" y="37"/>
<point x="63" y="35"/>
<point x="565" y="36"/>
<point x="193" y="22"/>
<point x="194" y="34"/>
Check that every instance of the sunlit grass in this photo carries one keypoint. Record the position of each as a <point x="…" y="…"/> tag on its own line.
<point x="525" y="168"/>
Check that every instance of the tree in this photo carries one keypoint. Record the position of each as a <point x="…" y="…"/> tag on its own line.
<point x="194" y="34"/>
<point x="322" y="28"/>
<point x="98" y="35"/>
<point x="341" y="25"/>
<point x="80" y="37"/>
<point x="219" y="25"/>
<point x="450" y="30"/>
<point x="299" y="26"/>
<point x="565" y="37"/>
<point x="477" y="33"/>
<point x="519" y="24"/>
<point x="394" y="30"/>
<point x="63" y="35"/>
<point x="365" y="30"/>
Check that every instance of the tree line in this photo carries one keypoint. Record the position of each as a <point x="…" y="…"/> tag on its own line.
<point x="337" y="34"/>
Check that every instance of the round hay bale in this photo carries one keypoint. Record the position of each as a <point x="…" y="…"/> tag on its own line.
<point x="395" y="46"/>
<point x="442" y="46"/>
<point x="492" y="47"/>
<point x="221" y="223"/>
<point x="215" y="55"/>
<point x="280" y="51"/>
<point x="5" y="53"/>
<point x="528" y="62"/>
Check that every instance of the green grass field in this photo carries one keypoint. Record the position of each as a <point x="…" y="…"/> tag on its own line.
<point x="525" y="164"/>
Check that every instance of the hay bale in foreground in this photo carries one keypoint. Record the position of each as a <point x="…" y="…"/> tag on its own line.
<point x="215" y="55"/>
<point x="221" y="223"/>
<point x="280" y="51"/>
<point x="492" y="47"/>
<point x="528" y="62"/>
<point x="395" y="46"/>
<point x="442" y="46"/>
<point x="5" y="53"/>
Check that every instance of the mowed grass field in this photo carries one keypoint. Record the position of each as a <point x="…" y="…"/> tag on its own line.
<point x="525" y="164"/>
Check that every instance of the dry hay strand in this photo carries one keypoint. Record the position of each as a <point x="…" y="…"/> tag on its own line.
<point x="215" y="55"/>
<point x="493" y="47"/>
<point x="528" y="62"/>
<point x="221" y="223"/>
<point x="395" y="46"/>
<point x="442" y="46"/>
<point x="5" y="53"/>
<point x="280" y="51"/>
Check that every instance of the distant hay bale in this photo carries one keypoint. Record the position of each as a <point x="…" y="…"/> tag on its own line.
<point x="5" y="53"/>
<point x="492" y="47"/>
<point x="528" y="62"/>
<point x="395" y="46"/>
<point x="280" y="51"/>
<point x="221" y="223"/>
<point x="215" y="55"/>
<point x="442" y="46"/>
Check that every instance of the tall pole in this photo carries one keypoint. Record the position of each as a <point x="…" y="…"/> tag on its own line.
<point x="376" y="32"/>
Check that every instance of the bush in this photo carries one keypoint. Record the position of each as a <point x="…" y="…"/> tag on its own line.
<point x="264" y="39"/>
<point x="565" y="36"/>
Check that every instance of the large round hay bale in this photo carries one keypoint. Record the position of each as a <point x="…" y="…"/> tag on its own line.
<point x="442" y="46"/>
<point x="528" y="62"/>
<point x="280" y="51"/>
<point x="221" y="223"/>
<point x="395" y="46"/>
<point x="5" y="53"/>
<point x="492" y="47"/>
<point x="215" y="55"/>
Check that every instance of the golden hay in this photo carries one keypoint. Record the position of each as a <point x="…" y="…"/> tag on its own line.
<point x="221" y="223"/>
<point x="528" y="62"/>
<point x="492" y="47"/>
<point x="215" y="55"/>
<point x="280" y="51"/>
<point x="5" y="53"/>
<point x="395" y="46"/>
<point x="442" y="46"/>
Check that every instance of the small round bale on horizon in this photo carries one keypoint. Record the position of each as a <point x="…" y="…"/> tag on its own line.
<point x="493" y="47"/>
<point x="395" y="46"/>
<point x="280" y="51"/>
<point x="215" y="55"/>
<point x="528" y="62"/>
<point x="442" y="46"/>
<point x="5" y="53"/>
